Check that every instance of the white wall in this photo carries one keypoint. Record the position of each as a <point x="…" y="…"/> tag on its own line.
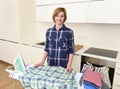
<point x="97" y="35"/>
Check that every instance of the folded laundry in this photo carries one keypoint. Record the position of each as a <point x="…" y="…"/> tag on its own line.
<point x="89" y="85"/>
<point x="103" y="70"/>
<point x="93" y="77"/>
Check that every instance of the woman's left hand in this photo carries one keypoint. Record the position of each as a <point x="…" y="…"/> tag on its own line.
<point x="69" y="69"/>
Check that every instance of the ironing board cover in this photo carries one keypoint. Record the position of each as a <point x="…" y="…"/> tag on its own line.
<point x="47" y="77"/>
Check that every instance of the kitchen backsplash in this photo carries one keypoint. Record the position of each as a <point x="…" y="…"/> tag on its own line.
<point x="95" y="35"/>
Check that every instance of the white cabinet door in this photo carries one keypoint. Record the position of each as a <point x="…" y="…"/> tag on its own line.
<point x="106" y="11"/>
<point x="43" y="14"/>
<point x="12" y="50"/>
<point x="76" y="12"/>
<point x="9" y="51"/>
<point x="9" y="20"/>
<point x="76" y="63"/>
<point x="116" y="82"/>
<point x="37" y="53"/>
<point x="25" y="50"/>
<point x="3" y="50"/>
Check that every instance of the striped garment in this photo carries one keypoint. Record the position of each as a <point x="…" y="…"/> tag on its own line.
<point x="59" y="44"/>
<point x="47" y="77"/>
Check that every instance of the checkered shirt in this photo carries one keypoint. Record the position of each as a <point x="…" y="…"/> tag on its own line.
<point x="47" y="77"/>
<point x="59" y="44"/>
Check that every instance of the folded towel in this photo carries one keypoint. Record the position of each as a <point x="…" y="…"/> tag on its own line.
<point x="93" y="77"/>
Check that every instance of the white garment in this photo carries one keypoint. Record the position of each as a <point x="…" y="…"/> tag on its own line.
<point x="78" y="77"/>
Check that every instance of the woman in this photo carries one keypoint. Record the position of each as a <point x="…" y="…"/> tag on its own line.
<point x="59" y="49"/>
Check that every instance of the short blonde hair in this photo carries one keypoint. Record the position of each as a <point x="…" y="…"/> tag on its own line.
<point x="58" y="10"/>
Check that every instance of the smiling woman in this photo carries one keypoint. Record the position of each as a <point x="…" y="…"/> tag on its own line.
<point x="59" y="48"/>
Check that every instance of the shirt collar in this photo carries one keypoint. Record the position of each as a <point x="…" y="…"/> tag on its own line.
<point x="62" y="28"/>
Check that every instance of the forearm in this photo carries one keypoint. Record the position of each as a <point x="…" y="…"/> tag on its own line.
<point x="70" y="59"/>
<point x="44" y="56"/>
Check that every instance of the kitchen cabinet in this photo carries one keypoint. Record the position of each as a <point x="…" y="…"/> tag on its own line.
<point x="116" y="83"/>
<point x="25" y="51"/>
<point x="3" y="49"/>
<point x="27" y="25"/>
<point x="76" y="63"/>
<point x="89" y="11"/>
<point x="9" y="20"/>
<point x="6" y="46"/>
<point x="37" y="53"/>
<point x="12" y="50"/>
<point x="106" y="11"/>
<point x="43" y="14"/>
<point x="76" y="12"/>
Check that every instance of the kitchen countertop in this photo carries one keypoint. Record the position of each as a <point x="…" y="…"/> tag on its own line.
<point x="78" y="47"/>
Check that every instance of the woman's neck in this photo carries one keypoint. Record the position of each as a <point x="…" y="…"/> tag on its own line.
<point x="58" y="26"/>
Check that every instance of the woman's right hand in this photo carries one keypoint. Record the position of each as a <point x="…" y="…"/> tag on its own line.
<point x="39" y="64"/>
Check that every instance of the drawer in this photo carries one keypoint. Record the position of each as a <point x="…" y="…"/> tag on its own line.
<point x="116" y="79"/>
<point x="116" y="86"/>
<point x="117" y="70"/>
<point x="118" y="65"/>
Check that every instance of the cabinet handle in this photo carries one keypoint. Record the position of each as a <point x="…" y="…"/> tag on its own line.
<point x="25" y="44"/>
<point x="36" y="46"/>
<point x="13" y="42"/>
<point x="3" y="39"/>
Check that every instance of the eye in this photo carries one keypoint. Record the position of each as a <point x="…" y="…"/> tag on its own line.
<point x="61" y="16"/>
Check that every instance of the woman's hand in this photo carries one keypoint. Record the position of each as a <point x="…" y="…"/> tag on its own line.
<point x="39" y="64"/>
<point x="69" y="68"/>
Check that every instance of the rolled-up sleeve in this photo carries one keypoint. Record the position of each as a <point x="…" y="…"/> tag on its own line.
<point x="71" y="43"/>
<point x="47" y="42"/>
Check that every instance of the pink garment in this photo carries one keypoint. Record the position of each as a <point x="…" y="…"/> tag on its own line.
<point x="93" y="77"/>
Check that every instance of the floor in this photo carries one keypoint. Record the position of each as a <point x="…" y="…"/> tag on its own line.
<point x="5" y="81"/>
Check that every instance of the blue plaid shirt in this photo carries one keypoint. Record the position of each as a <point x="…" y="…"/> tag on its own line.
<point x="59" y="44"/>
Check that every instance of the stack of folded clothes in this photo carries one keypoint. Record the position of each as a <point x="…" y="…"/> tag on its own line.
<point x="95" y="77"/>
<point x="92" y="79"/>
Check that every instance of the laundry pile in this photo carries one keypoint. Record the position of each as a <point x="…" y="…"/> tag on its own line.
<point x="95" y="77"/>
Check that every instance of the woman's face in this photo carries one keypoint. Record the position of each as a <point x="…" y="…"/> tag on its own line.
<point x="59" y="18"/>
